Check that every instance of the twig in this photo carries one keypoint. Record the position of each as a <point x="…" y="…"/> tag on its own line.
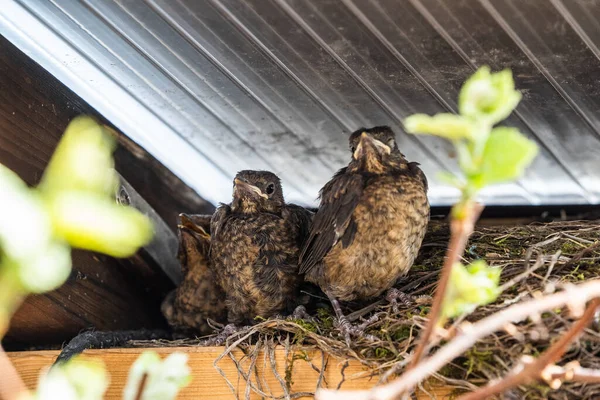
<point x="538" y="263"/>
<point x="460" y="229"/>
<point x="466" y="339"/>
<point x="579" y="256"/>
<point x="553" y="262"/>
<point x="142" y="386"/>
<point x="538" y="368"/>
<point x="11" y="385"/>
<point x="576" y="373"/>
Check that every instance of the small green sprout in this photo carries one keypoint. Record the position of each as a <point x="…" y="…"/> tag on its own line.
<point x="79" y="186"/>
<point x="486" y="155"/>
<point x="469" y="287"/>
<point x="488" y="97"/>
<point x="449" y="126"/>
<point x="163" y="379"/>
<point x="73" y="206"/>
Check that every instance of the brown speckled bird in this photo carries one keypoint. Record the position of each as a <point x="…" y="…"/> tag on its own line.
<point x="198" y="297"/>
<point x="255" y="242"/>
<point x="370" y="223"/>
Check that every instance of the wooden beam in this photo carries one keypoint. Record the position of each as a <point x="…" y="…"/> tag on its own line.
<point x="207" y="383"/>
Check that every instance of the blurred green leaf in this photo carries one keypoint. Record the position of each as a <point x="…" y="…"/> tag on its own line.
<point x="164" y="379"/>
<point x="449" y="126"/>
<point x="24" y="225"/>
<point x="26" y="243"/>
<point x="82" y="161"/>
<point x="49" y="270"/>
<point x="470" y="287"/>
<point x="80" y="378"/>
<point x="450" y="179"/>
<point x="489" y="97"/>
<point x="89" y="222"/>
<point x="506" y="155"/>
<point x="73" y="205"/>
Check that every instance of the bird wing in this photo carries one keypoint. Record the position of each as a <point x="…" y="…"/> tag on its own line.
<point x="217" y="220"/>
<point x="297" y="221"/>
<point x="300" y="218"/>
<point x="333" y="220"/>
<point x="414" y="168"/>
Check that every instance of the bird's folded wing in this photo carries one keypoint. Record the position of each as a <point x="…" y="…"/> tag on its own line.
<point x="300" y="218"/>
<point x="217" y="221"/>
<point x="332" y="221"/>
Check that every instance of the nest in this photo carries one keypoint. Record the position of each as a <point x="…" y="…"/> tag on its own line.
<point x="533" y="259"/>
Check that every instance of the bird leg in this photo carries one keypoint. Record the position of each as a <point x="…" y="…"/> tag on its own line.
<point x="345" y="327"/>
<point x="300" y="313"/>
<point x="222" y="336"/>
<point x="394" y="296"/>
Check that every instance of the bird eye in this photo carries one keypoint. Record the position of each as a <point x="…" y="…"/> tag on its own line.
<point x="270" y="188"/>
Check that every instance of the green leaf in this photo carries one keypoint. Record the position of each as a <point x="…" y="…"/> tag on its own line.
<point x="488" y="97"/>
<point x="470" y="287"/>
<point x="164" y="379"/>
<point x="450" y="179"/>
<point x="89" y="222"/>
<point x="80" y="378"/>
<point x="82" y="161"/>
<point x="506" y="154"/>
<point x="449" y="126"/>
<point x="49" y="270"/>
<point x="24" y="224"/>
<point x="27" y="246"/>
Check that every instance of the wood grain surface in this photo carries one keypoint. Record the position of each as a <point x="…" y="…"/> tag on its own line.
<point x="207" y="383"/>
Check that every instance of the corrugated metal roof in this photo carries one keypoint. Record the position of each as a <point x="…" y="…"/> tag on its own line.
<point x="210" y="87"/>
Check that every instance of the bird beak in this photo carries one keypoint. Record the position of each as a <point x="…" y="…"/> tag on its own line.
<point x="188" y="222"/>
<point x="368" y="144"/>
<point x="242" y="186"/>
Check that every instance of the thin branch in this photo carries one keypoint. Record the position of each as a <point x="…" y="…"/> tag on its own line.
<point x="579" y="256"/>
<point x="141" y="387"/>
<point x="538" y="369"/>
<point x="460" y="230"/>
<point x="470" y="334"/>
<point x="11" y="385"/>
<point x="577" y="374"/>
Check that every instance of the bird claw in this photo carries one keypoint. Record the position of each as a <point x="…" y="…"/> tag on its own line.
<point x="394" y="296"/>
<point x="300" y="313"/>
<point x="222" y="336"/>
<point x="349" y="330"/>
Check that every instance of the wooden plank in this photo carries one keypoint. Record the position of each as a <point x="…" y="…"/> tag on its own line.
<point x="102" y="293"/>
<point x="207" y="383"/>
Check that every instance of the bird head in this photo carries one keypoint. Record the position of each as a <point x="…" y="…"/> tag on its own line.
<point x="374" y="148"/>
<point x="256" y="191"/>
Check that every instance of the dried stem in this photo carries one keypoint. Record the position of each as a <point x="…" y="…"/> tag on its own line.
<point x="11" y="385"/>
<point x="471" y="333"/>
<point x="536" y="369"/>
<point x="141" y="387"/>
<point x="460" y="230"/>
<point x="576" y="374"/>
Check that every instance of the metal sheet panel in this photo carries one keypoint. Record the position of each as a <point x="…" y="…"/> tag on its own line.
<point x="210" y="87"/>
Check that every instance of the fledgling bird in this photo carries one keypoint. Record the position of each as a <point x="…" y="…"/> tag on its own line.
<point x="198" y="298"/>
<point x="255" y="242"/>
<point x="370" y="224"/>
